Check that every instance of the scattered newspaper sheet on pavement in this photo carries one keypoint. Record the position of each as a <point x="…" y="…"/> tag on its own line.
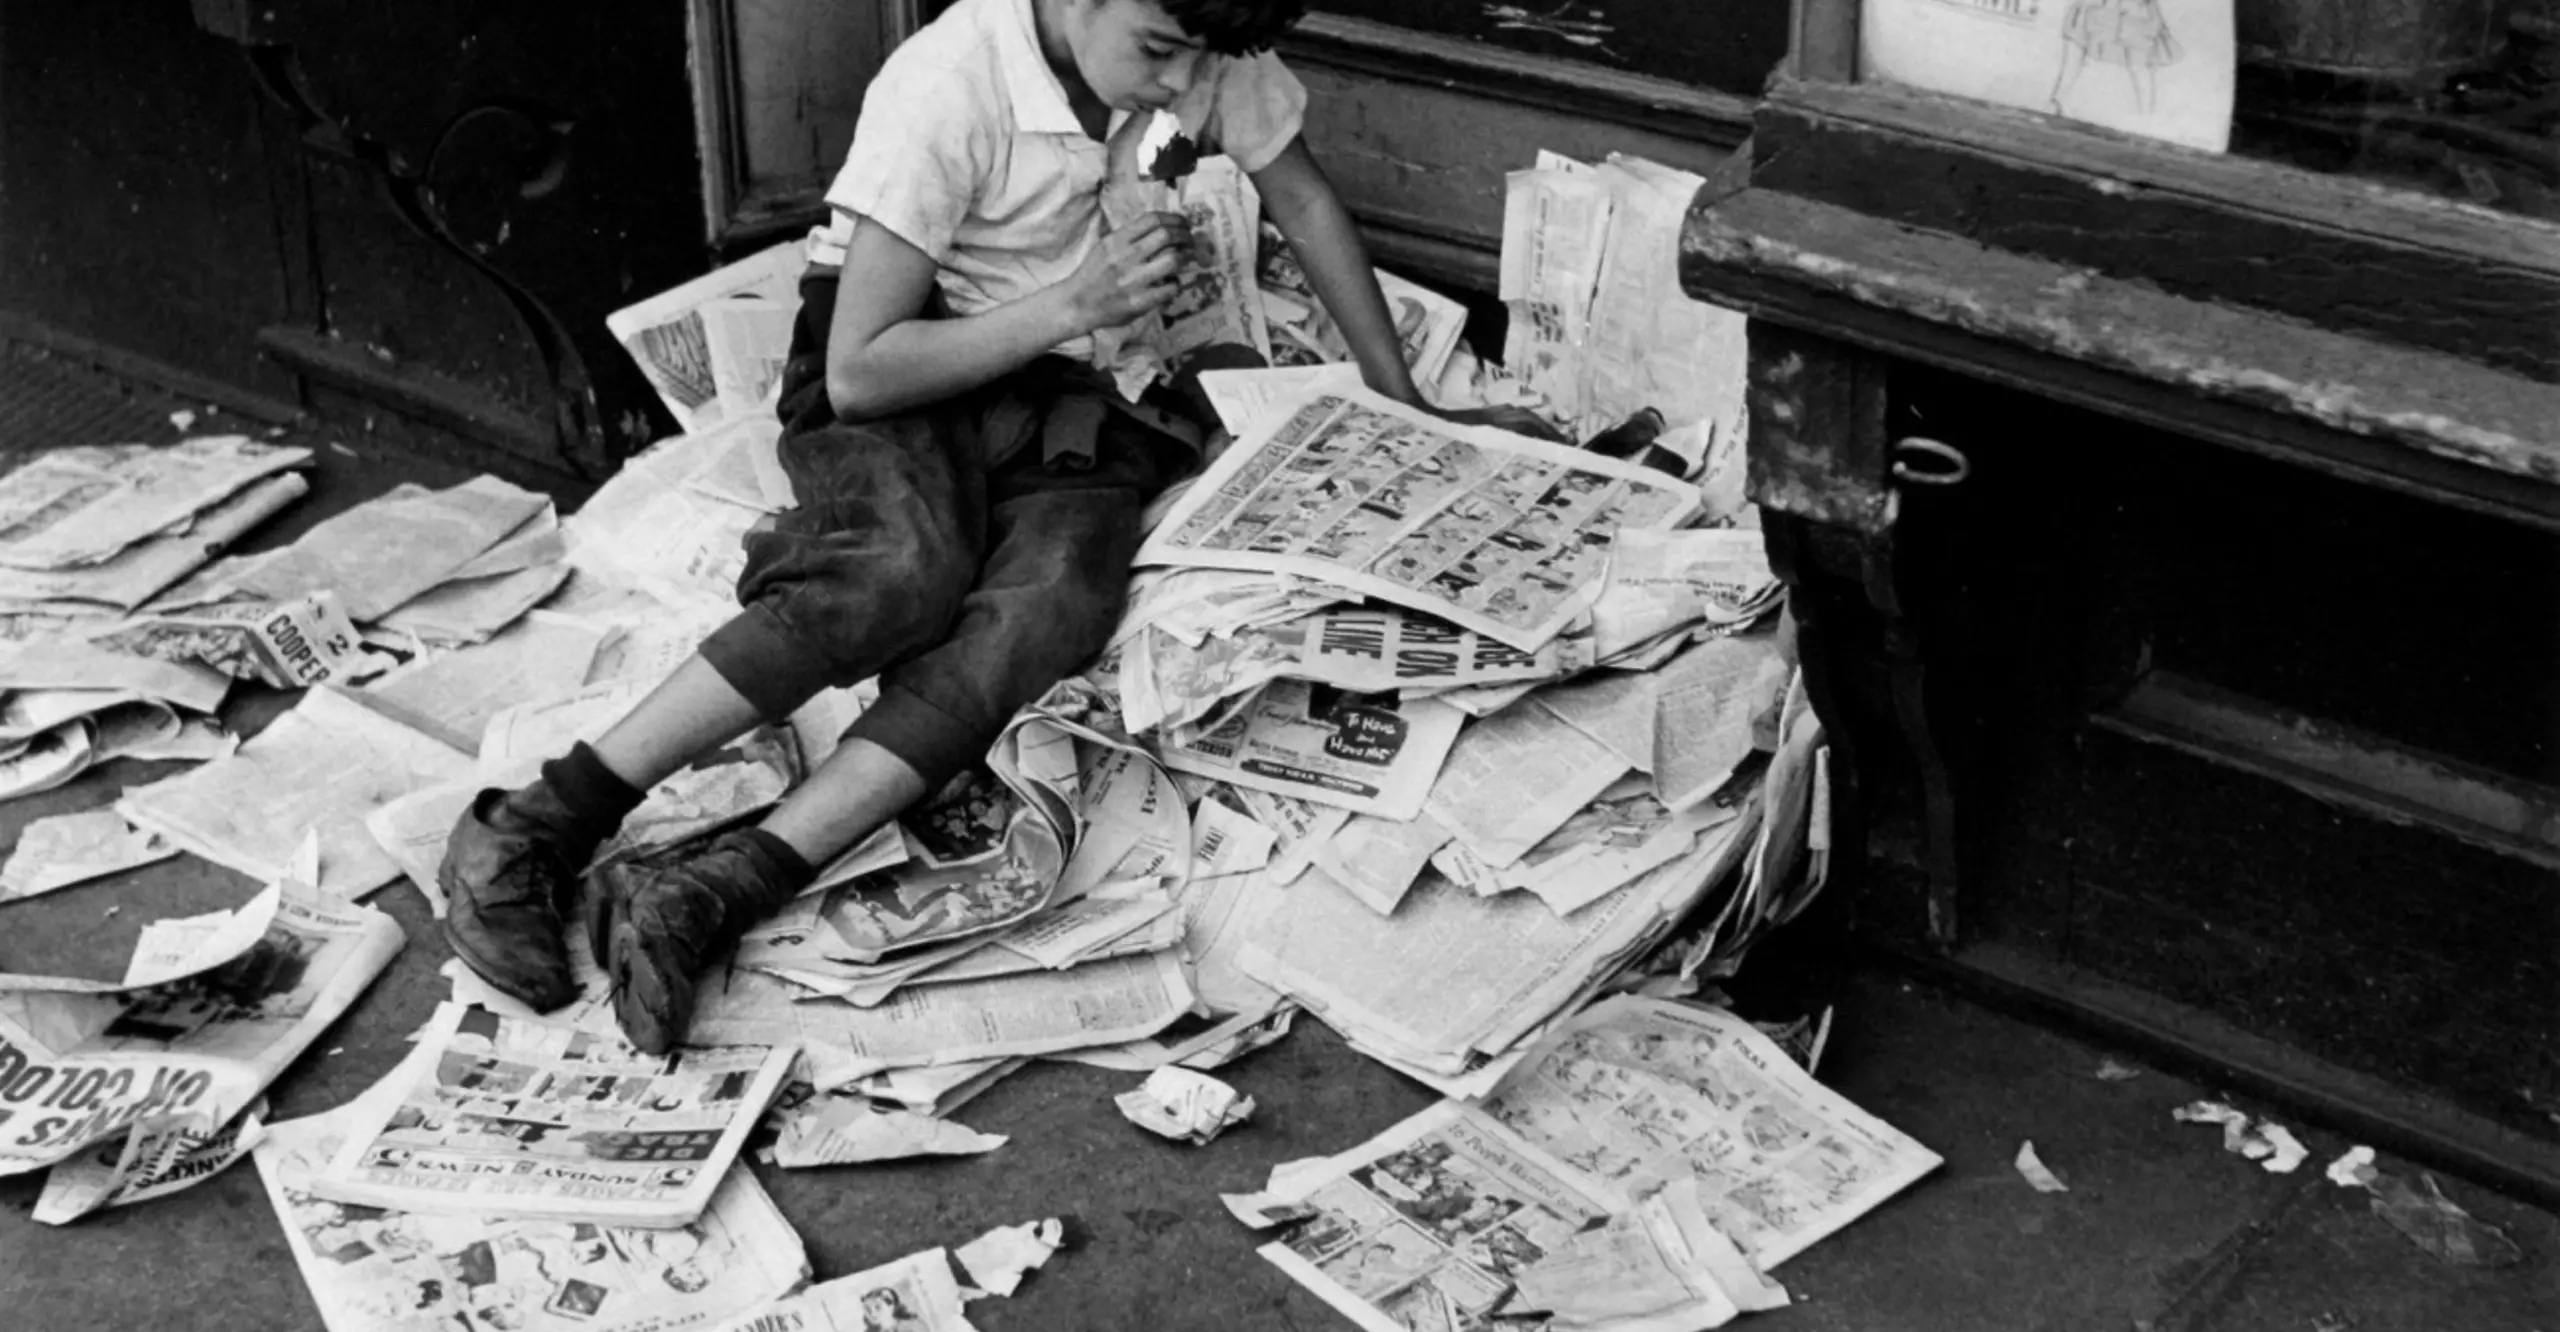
<point x="540" y="1119"/>
<point x="374" y="1269"/>
<point x="207" y="1041"/>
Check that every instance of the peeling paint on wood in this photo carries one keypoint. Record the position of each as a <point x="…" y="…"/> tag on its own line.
<point x="2441" y="405"/>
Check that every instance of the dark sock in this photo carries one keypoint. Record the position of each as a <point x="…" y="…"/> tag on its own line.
<point x="593" y="794"/>
<point x="780" y="863"/>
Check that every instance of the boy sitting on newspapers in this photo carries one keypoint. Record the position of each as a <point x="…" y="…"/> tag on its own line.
<point x="969" y="483"/>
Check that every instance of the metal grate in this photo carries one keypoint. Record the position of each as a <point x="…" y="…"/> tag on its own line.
<point x="47" y="401"/>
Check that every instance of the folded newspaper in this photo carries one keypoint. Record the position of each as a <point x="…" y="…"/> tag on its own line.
<point x="83" y="504"/>
<point x="204" y="1040"/>
<point x="376" y="1269"/>
<point x="541" y="1120"/>
<point x="713" y="347"/>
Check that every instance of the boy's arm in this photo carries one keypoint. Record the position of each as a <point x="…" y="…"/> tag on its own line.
<point x="1307" y="211"/>
<point x="885" y="356"/>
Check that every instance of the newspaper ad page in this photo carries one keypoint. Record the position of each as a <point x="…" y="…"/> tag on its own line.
<point x="371" y="1269"/>
<point x="536" y="1119"/>
<point x="280" y="644"/>
<point x="1427" y="1227"/>
<point x="205" y="1042"/>
<point x="1101" y="1003"/>
<point x="82" y="504"/>
<point x="324" y="766"/>
<point x="1635" y="1093"/>
<point x="1496" y="532"/>
<point x="666" y="336"/>
<point x="1167" y="682"/>
<point x="1368" y="753"/>
<point x="917" y="1293"/>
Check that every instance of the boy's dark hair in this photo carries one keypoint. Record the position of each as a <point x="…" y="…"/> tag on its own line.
<point x="1235" y="27"/>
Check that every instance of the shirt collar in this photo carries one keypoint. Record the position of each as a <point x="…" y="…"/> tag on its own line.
<point x="1039" y="99"/>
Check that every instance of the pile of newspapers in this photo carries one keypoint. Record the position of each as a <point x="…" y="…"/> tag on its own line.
<point x="1483" y="751"/>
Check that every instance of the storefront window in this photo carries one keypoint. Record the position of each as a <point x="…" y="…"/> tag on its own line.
<point x="2460" y="98"/>
<point x="1729" y="46"/>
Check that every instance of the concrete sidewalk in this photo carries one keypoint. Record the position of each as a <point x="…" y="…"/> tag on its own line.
<point x="2161" y="1229"/>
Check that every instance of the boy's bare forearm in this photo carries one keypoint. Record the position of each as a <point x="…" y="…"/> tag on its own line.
<point x="922" y="361"/>
<point x="1327" y="243"/>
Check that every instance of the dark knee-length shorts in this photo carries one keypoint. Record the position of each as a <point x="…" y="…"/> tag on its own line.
<point x="971" y="553"/>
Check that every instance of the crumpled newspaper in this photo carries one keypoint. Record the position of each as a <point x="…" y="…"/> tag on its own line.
<point x="1185" y="1106"/>
<point x="2266" y="1142"/>
<point x="997" y="1260"/>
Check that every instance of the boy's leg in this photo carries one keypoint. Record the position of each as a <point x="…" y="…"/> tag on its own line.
<point x="1054" y="580"/>
<point x="869" y="569"/>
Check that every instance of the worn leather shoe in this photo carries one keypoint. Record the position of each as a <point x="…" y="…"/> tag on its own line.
<point x="510" y="879"/>
<point x="659" y="919"/>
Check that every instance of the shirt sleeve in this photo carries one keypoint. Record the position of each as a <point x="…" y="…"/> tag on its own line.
<point x="917" y="159"/>
<point x="1259" y="106"/>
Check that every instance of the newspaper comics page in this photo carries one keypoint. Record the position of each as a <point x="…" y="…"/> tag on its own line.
<point x="376" y="1270"/>
<point x="1493" y="531"/>
<point x="1635" y="1093"/>
<point x="1426" y="1227"/>
<point x="537" y="1119"/>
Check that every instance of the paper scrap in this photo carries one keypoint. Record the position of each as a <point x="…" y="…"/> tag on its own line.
<point x="2353" y="1169"/>
<point x="997" y="1260"/>
<point x="847" y="1130"/>
<point x="76" y="848"/>
<point x="1184" y="1105"/>
<point x="2264" y="1141"/>
<point x="2033" y="1168"/>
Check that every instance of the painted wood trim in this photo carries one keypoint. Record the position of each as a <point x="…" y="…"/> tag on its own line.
<point x="2116" y="163"/>
<point x="2431" y="424"/>
<point x="2372" y="774"/>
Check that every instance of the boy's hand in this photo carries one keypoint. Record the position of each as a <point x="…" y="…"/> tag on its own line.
<point x="1131" y="271"/>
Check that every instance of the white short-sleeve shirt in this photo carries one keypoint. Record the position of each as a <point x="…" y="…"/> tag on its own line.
<point x="968" y="150"/>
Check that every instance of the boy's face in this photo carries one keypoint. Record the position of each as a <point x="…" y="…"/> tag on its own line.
<point x="1132" y="54"/>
